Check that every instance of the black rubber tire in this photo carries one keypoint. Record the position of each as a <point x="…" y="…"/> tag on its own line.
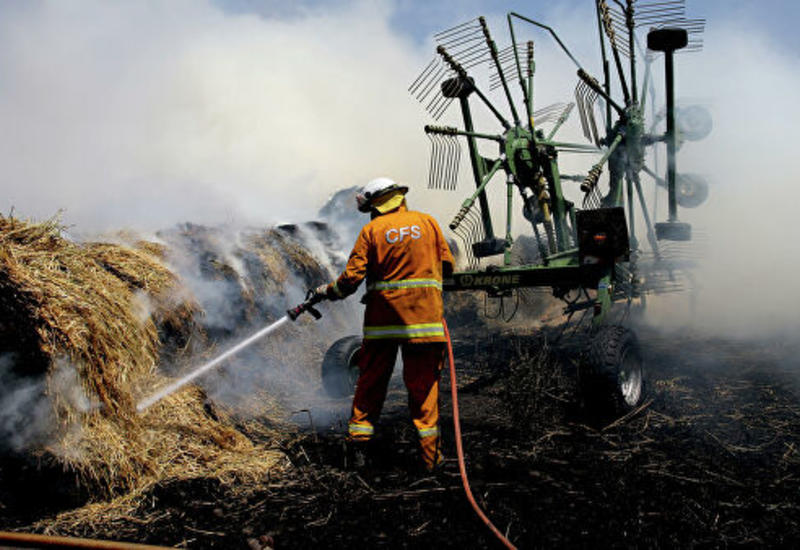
<point x="340" y="367"/>
<point x="612" y="378"/>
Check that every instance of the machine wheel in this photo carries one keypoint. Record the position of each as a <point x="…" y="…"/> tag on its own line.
<point x="612" y="381"/>
<point x="340" y="366"/>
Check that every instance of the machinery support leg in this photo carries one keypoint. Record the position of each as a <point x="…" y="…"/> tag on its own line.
<point x="602" y="304"/>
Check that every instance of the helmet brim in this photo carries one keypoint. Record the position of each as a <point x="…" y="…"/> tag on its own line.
<point x="365" y="204"/>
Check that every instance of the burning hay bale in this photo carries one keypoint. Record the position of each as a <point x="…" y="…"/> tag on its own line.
<point x="156" y="289"/>
<point x="241" y="277"/>
<point x="246" y="278"/>
<point x="85" y="320"/>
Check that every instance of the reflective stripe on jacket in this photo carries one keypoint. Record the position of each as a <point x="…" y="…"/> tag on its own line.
<point x="407" y="283"/>
<point x="400" y="254"/>
<point x="422" y="330"/>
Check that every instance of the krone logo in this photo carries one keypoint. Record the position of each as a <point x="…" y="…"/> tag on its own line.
<point x="489" y="280"/>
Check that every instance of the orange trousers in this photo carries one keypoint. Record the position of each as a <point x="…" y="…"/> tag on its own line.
<point x="422" y="365"/>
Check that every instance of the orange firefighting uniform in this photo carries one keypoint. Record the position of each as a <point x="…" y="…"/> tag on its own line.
<point x="401" y="254"/>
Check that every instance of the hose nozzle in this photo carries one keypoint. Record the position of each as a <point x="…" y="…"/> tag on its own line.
<point x="312" y="298"/>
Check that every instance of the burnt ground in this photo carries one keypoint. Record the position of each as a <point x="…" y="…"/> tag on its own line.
<point x="711" y="460"/>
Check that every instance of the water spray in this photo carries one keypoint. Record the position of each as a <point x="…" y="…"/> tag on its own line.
<point x="312" y="298"/>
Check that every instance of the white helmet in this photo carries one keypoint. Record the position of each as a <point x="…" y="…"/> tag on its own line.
<point x="377" y="188"/>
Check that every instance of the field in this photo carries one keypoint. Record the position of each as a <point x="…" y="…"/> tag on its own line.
<point x="710" y="460"/>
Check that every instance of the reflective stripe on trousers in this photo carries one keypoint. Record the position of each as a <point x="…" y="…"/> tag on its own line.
<point x="428" y="432"/>
<point x="403" y="331"/>
<point x="360" y="430"/>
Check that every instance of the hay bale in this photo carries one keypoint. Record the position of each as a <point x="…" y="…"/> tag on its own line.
<point x="241" y="277"/>
<point x="245" y="278"/>
<point x="79" y="308"/>
<point x="158" y="291"/>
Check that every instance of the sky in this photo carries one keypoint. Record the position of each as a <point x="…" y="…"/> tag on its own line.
<point x="142" y="114"/>
<point x="422" y="18"/>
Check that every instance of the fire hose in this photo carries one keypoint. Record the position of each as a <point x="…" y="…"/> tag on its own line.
<point x="28" y="540"/>
<point x="313" y="298"/>
<point x="460" y="446"/>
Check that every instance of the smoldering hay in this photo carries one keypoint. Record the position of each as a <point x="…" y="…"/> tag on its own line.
<point x="111" y="314"/>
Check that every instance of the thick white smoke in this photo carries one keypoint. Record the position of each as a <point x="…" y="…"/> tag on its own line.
<point x="746" y="280"/>
<point x="147" y="113"/>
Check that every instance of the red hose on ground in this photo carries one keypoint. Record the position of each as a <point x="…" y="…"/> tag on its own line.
<point x="460" y="448"/>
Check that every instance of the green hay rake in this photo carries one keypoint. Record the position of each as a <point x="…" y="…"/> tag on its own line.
<point x="589" y="255"/>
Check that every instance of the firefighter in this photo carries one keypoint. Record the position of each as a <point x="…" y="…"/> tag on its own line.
<point x="403" y="256"/>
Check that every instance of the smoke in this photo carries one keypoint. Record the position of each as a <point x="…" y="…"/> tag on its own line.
<point x="244" y="279"/>
<point x="146" y="113"/>
<point x="24" y="409"/>
<point x="27" y="418"/>
<point x="746" y="282"/>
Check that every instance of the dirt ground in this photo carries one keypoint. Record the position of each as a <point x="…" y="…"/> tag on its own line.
<point x="711" y="460"/>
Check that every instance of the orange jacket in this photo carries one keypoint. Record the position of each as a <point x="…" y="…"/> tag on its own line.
<point x="401" y="254"/>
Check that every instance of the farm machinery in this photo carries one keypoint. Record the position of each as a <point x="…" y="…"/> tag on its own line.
<point x="588" y="255"/>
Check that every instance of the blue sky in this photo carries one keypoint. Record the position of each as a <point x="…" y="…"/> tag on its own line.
<point x="419" y="19"/>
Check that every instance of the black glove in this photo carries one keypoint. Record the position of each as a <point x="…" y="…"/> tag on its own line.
<point x="321" y="292"/>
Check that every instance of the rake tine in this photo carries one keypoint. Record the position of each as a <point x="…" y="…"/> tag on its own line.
<point x="465" y="232"/>
<point x="445" y="168"/>
<point x="437" y="167"/>
<point x="455" y="157"/>
<point x="461" y="41"/>
<point x="431" y="183"/>
<point x="445" y="162"/>
<point x="458" y="163"/>
<point x="474" y="58"/>
<point x="435" y="101"/>
<point x="666" y="3"/>
<point x="580" y="100"/>
<point x="476" y="236"/>
<point x="438" y="104"/>
<point x="590" y="116"/>
<point x="449" y="166"/>
<point x="439" y="161"/>
<point x="435" y="104"/>
<point x="469" y="50"/>
<point x="442" y="35"/>
<point x="445" y="104"/>
<point x="422" y="76"/>
<point x="448" y="159"/>
<point x="433" y="82"/>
